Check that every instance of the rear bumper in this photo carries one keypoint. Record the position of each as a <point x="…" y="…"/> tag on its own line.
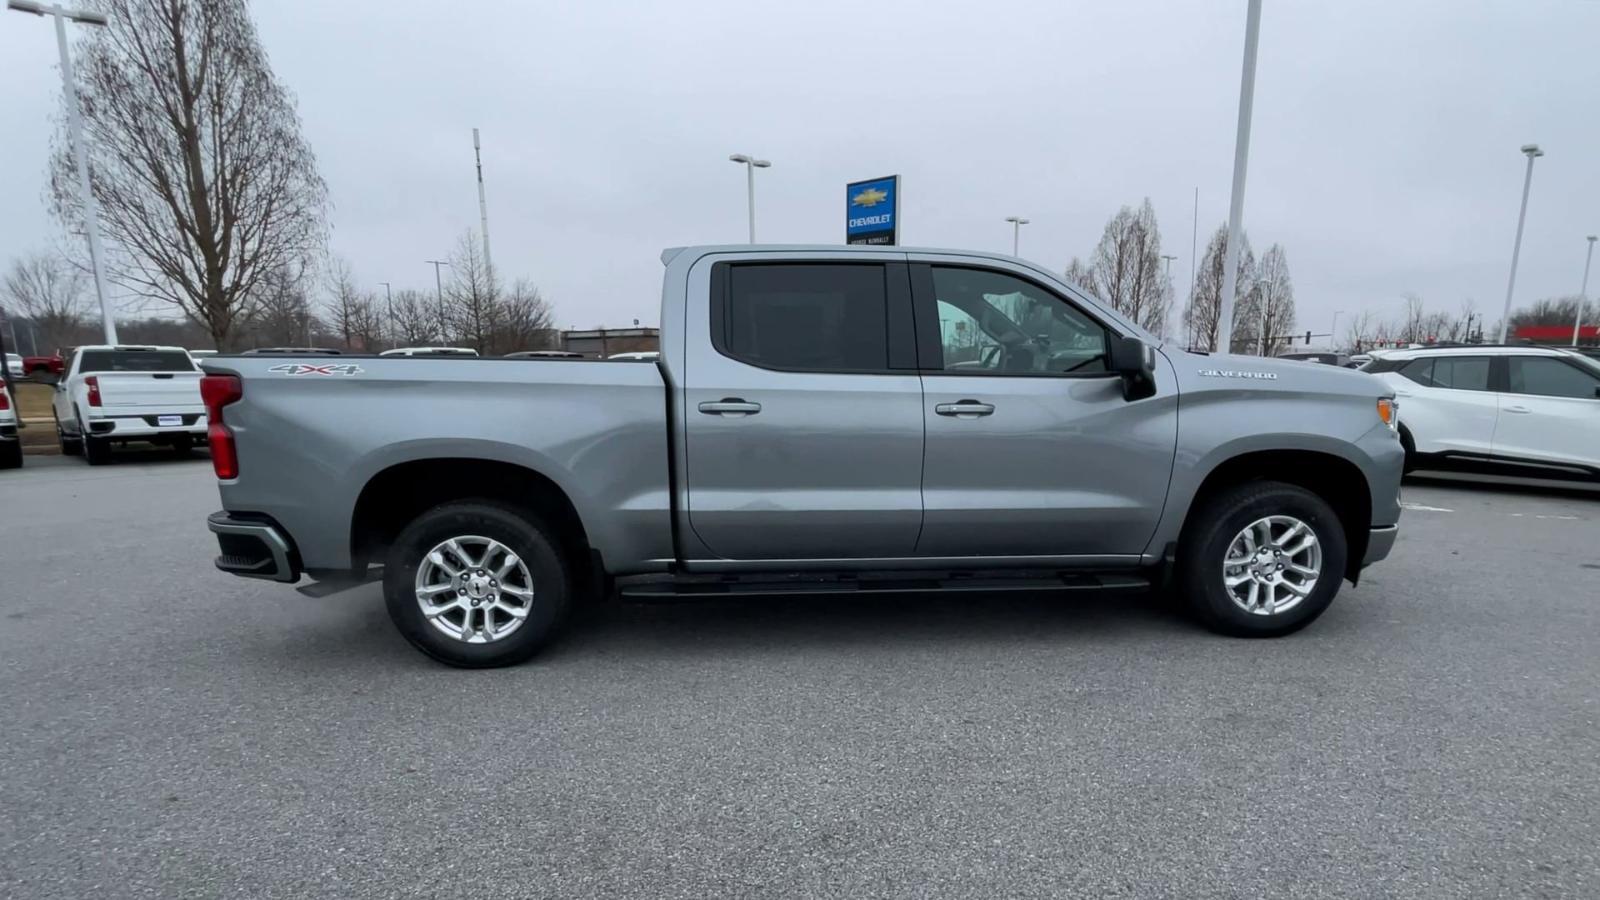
<point x="254" y="547"/>
<point x="1379" y="542"/>
<point x="146" y="425"/>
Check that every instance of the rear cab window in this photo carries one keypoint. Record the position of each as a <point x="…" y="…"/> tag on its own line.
<point x="134" y="361"/>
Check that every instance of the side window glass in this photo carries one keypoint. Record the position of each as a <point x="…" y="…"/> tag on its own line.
<point x="813" y="318"/>
<point x="993" y="322"/>
<point x="1547" y="377"/>
<point x="1420" y="371"/>
<point x="1462" y="373"/>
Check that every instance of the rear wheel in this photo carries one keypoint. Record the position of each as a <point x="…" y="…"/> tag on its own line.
<point x="1410" y="445"/>
<point x="96" y="450"/>
<point x="475" y="584"/>
<point x="11" y="454"/>
<point x="1262" y="559"/>
<point x="70" y="446"/>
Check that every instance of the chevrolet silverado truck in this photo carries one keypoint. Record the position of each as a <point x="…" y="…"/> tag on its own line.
<point x="820" y="419"/>
<point x="127" y="392"/>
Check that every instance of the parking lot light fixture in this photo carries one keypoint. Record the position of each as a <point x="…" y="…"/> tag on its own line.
<point x="1016" y="232"/>
<point x="1583" y="293"/>
<point x="751" y="164"/>
<point x="1533" y="152"/>
<point x="91" y="215"/>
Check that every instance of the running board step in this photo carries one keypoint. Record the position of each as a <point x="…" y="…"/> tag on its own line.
<point x="730" y="586"/>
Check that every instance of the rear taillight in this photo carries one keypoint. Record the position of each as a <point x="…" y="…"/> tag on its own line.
<point x="93" y="384"/>
<point x="218" y="391"/>
<point x="5" y="398"/>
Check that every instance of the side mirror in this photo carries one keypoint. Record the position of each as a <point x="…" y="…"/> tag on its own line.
<point x="1135" y="362"/>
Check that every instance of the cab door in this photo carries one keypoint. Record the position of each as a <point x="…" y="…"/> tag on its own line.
<point x="1031" y="448"/>
<point x="802" y="408"/>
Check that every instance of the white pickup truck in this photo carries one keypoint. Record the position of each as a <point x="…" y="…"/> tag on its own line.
<point x="128" y="393"/>
<point x="10" y="440"/>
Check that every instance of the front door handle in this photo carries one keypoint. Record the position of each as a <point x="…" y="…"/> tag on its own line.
<point x="1518" y="409"/>
<point x="732" y="407"/>
<point x="965" y="409"/>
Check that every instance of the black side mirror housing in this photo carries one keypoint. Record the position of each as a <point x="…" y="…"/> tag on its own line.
<point x="1135" y="362"/>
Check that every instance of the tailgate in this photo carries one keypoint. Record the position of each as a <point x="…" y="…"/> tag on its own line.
<point x="142" y="389"/>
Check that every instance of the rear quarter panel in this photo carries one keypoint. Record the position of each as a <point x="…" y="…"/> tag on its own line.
<point x="308" y="444"/>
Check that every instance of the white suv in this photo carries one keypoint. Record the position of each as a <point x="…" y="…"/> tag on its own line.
<point x="1533" y="408"/>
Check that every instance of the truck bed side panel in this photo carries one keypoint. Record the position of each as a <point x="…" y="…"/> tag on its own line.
<point x="309" y="443"/>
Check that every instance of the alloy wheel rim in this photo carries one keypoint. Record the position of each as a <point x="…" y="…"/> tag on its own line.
<point x="1272" y="565"/>
<point x="474" y="589"/>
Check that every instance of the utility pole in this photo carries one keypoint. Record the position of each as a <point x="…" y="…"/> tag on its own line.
<point x="483" y="208"/>
<point x="1241" y="163"/>
<point x="438" y="285"/>
<point x="91" y="211"/>
<point x="1583" y="293"/>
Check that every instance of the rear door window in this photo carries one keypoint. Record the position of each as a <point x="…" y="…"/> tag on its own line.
<point x="805" y="317"/>
<point x="135" y="361"/>
<point x="1462" y="373"/>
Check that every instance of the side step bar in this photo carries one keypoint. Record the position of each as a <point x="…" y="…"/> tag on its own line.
<point x="897" y="583"/>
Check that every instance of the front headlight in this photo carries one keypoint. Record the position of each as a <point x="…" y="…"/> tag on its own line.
<point x="1389" y="412"/>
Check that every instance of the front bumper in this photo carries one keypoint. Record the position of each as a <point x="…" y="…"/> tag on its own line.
<point x="254" y="547"/>
<point x="1379" y="542"/>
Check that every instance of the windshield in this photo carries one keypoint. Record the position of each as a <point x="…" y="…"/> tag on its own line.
<point x="135" y="361"/>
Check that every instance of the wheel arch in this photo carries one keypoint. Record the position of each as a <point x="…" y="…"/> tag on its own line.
<point x="396" y="495"/>
<point x="1331" y="476"/>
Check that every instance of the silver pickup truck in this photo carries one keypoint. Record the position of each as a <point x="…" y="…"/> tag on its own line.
<point x="820" y="419"/>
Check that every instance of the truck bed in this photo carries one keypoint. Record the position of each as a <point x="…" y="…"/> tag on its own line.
<point x="597" y="429"/>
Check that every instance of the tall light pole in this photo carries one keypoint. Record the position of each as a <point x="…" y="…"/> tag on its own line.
<point x="1016" y="232"/>
<point x="1241" y="162"/>
<point x="1533" y="152"/>
<point x="751" y="164"/>
<point x="438" y="285"/>
<point x="1583" y="293"/>
<point x="1333" y="330"/>
<point x="483" y="207"/>
<point x="388" y="306"/>
<point x="91" y="212"/>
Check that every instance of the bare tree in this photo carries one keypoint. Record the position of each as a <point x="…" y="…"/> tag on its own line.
<point x="1275" y="300"/>
<point x="1552" y="311"/>
<point x="526" y="320"/>
<point x="1079" y="274"/>
<point x="282" y="314"/>
<point x="1125" y="268"/>
<point x="1205" y="305"/>
<point x="49" y="291"/>
<point x="472" y="298"/>
<point x="352" y="312"/>
<point x="416" y="320"/>
<point x="203" y="179"/>
<point x="1359" y="332"/>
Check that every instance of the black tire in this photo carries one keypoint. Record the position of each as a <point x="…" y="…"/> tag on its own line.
<point x="1410" y="445"/>
<point x="96" y="451"/>
<point x="70" y="446"/>
<point x="11" y="454"/>
<point x="533" y="541"/>
<point x="1205" y="544"/>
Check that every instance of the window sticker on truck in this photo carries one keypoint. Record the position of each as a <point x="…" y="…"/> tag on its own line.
<point x="308" y="369"/>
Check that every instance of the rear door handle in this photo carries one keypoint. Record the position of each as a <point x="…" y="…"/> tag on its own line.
<point x="1518" y="409"/>
<point x="964" y="409"/>
<point x="732" y="407"/>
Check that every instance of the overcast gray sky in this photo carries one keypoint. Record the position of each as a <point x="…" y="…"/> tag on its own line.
<point x="1384" y="156"/>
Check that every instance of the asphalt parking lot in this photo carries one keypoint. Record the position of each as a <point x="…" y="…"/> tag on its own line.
<point x="169" y="731"/>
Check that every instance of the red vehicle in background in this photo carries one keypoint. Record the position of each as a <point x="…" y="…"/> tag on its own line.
<point x="49" y="365"/>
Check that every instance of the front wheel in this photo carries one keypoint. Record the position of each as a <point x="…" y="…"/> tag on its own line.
<point x="11" y="454"/>
<point x="1262" y="559"/>
<point x="475" y="584"/>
